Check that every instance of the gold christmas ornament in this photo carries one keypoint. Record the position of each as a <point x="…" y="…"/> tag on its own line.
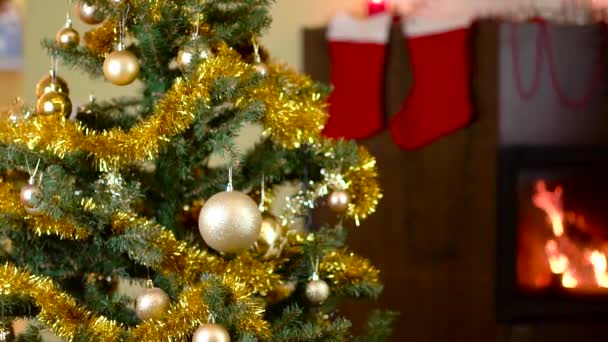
<point x="271" y="240"/>
<point x="121" y="67"/>
<point x="338" y="200"/>
<point x="152" y="303"/>
<point x="194" y="51"/>
<point x="67" y="37"/>
<point x="46" y="85"/>
<point x="54" y="103"/>
<point x="31" y="195"/>
<point x="211" y="333"/>
<point x="88" y="13"/>
<point x="281" y="292"/>
<point x="230" y="222"/>
<point x="317" y="290"/>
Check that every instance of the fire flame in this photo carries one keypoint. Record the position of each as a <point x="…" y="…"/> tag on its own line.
<point x="564" y="256"/>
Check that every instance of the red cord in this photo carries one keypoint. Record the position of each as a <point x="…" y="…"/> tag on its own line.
<point x="543" y="41"/>
<point x="563" y="96"/>
<point x="538" y="67"/>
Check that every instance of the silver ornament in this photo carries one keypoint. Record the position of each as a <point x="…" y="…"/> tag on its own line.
<point x="211" y="333"/>
<point x="317" y="290"/>
<point x="261" y="69"/>
<point x="191" y="53"/>
<point x="152" y="303"/>
<point x="230" y="222"/>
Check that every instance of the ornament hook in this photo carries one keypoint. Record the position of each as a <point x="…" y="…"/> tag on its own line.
<point x="229" y="187"/>
<point x="262" y="194"/>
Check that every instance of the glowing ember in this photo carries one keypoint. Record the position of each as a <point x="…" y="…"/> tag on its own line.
<point x="579" y="266"/>
<point x="551" y="203"/>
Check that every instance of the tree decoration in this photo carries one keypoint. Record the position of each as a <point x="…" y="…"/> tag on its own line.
<point x="51" y="83"/>
<point x="67" y="37"/>
<point x="31" y="194"/>
<point x="317" y="290"/>
<point x="54" y="103"/>
<point x="100" y="39"/>
<point x="89" y="13"/>
<point x="152" y="303"/>
<point x="338" y="200"/>
<point x="230" y="221"/>
<point x="7" y="334"/>
<point x="260" y="68"/>
<point x="193" y="51"/>
<point x="121" y="67"/>
<point x="211" y="332"/>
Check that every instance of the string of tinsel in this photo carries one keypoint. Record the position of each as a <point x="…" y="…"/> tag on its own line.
<point x="290" y="119"/>
<point x="65" y="317"/>
<point x="343" y="268"/>
<point x="100" y="40"/>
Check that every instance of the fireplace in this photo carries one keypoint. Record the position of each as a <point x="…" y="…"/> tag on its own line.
<point x="553" y="234"/>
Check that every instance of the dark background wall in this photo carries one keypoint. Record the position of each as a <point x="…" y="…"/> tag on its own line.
<point x="433" y="235"/>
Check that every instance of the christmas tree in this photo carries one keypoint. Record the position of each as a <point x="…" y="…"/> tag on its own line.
<point x="122" y="189"/>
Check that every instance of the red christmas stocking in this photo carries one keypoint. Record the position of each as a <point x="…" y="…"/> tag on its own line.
<point x="440" y="101"/>
<point x="358" y="50"/>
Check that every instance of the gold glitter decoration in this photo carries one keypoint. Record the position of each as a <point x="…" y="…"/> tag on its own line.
<point x="42" y="224"/>
<point x="101" y="39"/>
<point x="343" y="268"/>
<point x="189" y="262"/>
<point x="291" y="119"/>
<point x="363" y="186"/>
<point x="295" y="112"/>
<point x="66" y="318"/>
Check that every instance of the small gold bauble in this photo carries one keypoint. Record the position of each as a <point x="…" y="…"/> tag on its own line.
<point x="270" y="231"/>
<point x="281" y="292"/>
<point x="211" y="333"/>
<point x="45" y="86"/>
<point x="152" y="303"/>
<point x="54" y="103"/>
<point x="230" y="222"/>
<point x="67" y="38"/>
<point x="30" y="196"/>
<point x="317" y="291"/>
<point x="121" y="67"/>
<point x="338" y="200"/>
<point x="89" y="14"/>
<point x="261" y="69"/>
<point x="191" y="53"/>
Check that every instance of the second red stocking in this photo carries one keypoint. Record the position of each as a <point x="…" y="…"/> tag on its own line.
<point x="440" y="101"/>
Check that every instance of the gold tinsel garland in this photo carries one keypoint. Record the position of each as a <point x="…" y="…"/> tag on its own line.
<point x="344" y="268"/>
<point x="363" y="186"/>
<point x="66" y="318"/>
<point x="290" y="119"/>
<point x="10" y="204"/>
<point x="100" y="40"/>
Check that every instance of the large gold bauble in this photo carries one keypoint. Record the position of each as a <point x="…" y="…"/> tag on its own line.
<point x="67" y="38"/>
<point x="338" y="200"/>
<point x="191" y="53"/>
<point x="45" y="86"/>
<point x="211" y="333"/>
<point x="121" y="67"/>
<point x="230" y="222"/>
<point x="54" y="103"/>
<point x="89" y="14"/>
<point x="30" y="196"/>
<point x="317" y="291"/>
<point x="152" y="303"/>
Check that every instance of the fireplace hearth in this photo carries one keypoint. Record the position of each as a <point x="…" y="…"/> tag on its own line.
<point x="553" y="234"/>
